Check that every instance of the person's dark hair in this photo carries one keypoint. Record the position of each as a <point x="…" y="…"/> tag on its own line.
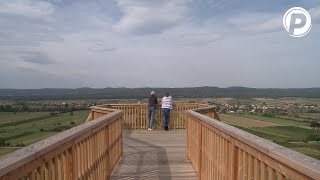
<point x="167" y="94"/>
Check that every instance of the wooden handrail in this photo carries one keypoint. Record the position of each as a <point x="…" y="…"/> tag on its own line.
<point x="208" y="111"/>
<point x="218" y="150"/>
<point x="98" y="111"/>
<point x="135" y="116"/>
<point x="144" y="104"/>
<point x="90" y="150"/>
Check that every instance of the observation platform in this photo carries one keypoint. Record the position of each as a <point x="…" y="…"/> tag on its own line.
<point x="114" y="144"/>
<point x="157" y="154"/>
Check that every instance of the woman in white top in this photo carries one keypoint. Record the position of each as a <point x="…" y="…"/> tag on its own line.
<point x="166" y="106"/>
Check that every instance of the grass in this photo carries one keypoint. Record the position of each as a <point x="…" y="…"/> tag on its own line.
<point x="290" y="100"/>
<point x="25" y="140"/>
<point x="291" y="136"/>
<point x="9" y="117"/>
<point x="15" y="123"/>
<point x="281" y="133"/>
<point x="309" y="152"/>
<point x="288" y="136"/>
<point x="310" y="114"/>
<point x="24" y="128"/>
<point x="246" y="122"/>
<point x="24" y="134"/>
<point x="232" y="122"/>
<point x="274" y="120"/>
<point x="262" y="133"/>
<point x="4" y="150"/>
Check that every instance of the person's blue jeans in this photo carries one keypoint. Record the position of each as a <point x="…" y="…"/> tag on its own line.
<point x="151" y="113"/>
<point x="165" y="116"/>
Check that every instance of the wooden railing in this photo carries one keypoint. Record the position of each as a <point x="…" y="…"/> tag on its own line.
<point x="98" y="111"/>
<point x="88" y="151"/>
<point x="221" y="151"/>
<point x="208" y="111"/>
<point x="135" y="116"/>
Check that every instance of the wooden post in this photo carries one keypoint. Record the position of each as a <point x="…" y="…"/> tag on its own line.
<point x="39" y="173"/>
<point x="108" y="153"/>
<point x="53" y="168"/>
<point x="70" y="159"/>
<point x="200" y="146"/>
<point x="235" y="162"/>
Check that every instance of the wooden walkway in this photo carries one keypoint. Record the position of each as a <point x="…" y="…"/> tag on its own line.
<point x="154" y="155"/>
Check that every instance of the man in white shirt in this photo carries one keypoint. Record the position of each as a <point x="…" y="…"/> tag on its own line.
<point x="166" y="106"/>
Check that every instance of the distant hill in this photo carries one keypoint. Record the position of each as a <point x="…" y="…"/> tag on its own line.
<point x="125" y="93"/>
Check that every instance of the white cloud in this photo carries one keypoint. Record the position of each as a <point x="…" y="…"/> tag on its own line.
<point x="149" y="17"/>
<point x="315" y="14"/>
<point x="257" y="22"/>
<point x="100" y="46"/>
<point x="26" y="8"/>
<point x="85" y="47"/>
<point x="195" y="39"/>
<point x="36" y="58"/>
<point x="272" y="24"/>
<point x="193" y="35"/>
<point x="261" y="23"/>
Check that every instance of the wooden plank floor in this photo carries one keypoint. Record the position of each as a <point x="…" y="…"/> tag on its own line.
<point x="154" y="155"/>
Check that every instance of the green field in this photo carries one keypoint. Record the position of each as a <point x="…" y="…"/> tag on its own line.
<point x="281" y="133"/>
<point x="293" y="135"/>
<point x="289" y="100"/>
<point x="274" y="120"/>
<point x="23" y="128"/>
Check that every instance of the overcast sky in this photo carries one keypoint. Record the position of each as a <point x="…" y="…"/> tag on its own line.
<point x="155" y="43"/>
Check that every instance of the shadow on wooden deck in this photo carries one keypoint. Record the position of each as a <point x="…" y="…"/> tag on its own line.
<point x="154" y="155"/>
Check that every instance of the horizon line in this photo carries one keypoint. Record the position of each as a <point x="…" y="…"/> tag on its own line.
<point x="160" y="88"/>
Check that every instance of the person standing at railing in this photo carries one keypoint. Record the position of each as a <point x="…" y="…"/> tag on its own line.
<point x="166" y="106"/>
<point x="153" y="101"/>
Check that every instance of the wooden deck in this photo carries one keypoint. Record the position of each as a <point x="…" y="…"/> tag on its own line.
<point x="154" y="155"/>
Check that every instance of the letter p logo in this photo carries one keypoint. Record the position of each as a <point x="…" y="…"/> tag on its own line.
<point x="297" y="22"/>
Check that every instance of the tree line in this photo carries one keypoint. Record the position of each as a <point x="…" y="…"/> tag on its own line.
<point x="26" y="108"/>
<point x="139" y="93"/>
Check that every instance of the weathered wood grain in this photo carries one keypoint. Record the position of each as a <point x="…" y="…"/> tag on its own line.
<point x="154" y="155"/>
<point x="254" y="154"/>
<point x="216" y="150"/>
<point x="135" y="116"/>
<point x="70" y="146"/>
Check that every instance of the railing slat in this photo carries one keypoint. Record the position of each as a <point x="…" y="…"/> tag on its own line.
<point x="245" y="163"/>
<point x="34" y="174"/>
<point x="256" y="169"/>
<point x="135" y="116"/>
<point x="263" y="169"/>
<point x="250" y="157"/>
<point x="250" y="167"/>
<point x="272" y="174"/>
<point x="68" y="155"/>
<point x="53" y="168"/>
